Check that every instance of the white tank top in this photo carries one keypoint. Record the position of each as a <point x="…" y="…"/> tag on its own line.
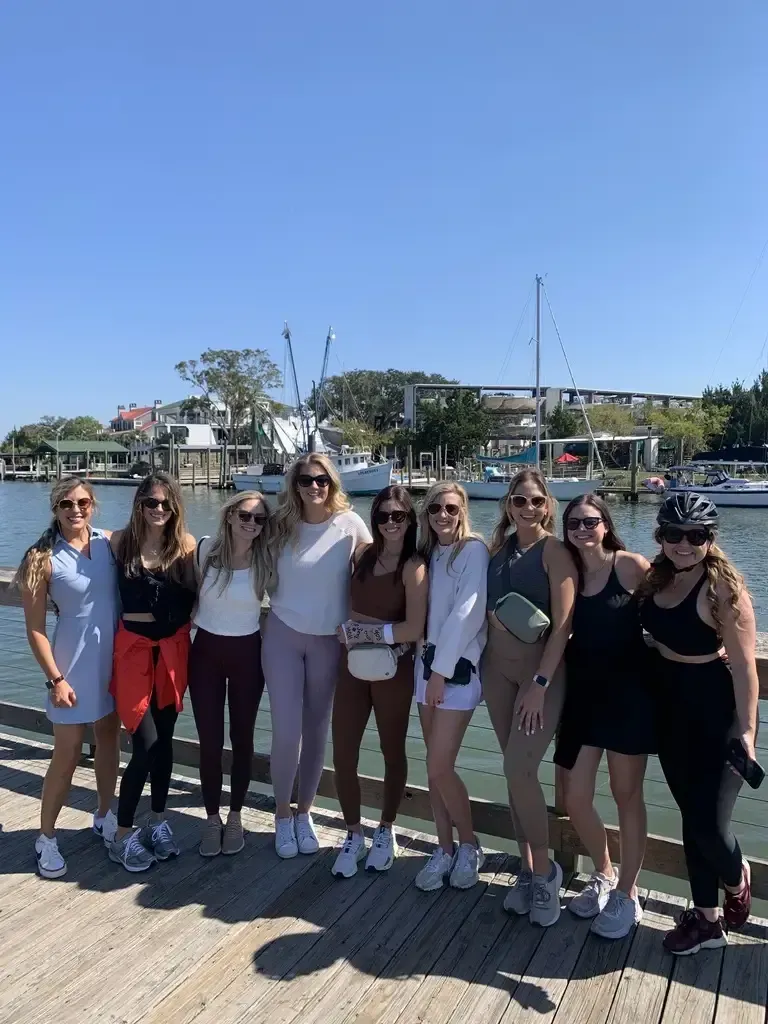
<point x="234" y="611"/>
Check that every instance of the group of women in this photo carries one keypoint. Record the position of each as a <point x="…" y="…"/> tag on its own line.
<point x="548" y="633"/>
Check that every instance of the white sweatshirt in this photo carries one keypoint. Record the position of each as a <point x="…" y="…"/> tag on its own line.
<point x="456" y="622"/>
<point x="312" y="594"/>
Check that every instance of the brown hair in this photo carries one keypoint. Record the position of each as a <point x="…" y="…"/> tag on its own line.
<point x="525" y="476"/>
<point x="372" y="553"/>
<point x="174" y="534"/>
<point x="34" y="564"/>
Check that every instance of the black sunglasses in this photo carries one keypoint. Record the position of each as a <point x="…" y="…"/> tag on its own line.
<point x="305" y="480"/>
<point x="67" y="504"/>
<point x="588" y="522"/>
<point x="398" y="516"/>
<point x="435" y="509"/>
<point x="257" y="518"/>
<point x="154" y="503"/>
<point x="696" y="537"/>
<point x="521" y="500"/>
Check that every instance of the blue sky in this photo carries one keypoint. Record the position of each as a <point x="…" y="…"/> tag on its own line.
<point x="180" y="175"/>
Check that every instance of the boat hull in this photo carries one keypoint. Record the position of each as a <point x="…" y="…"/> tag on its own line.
<point x="495" y="490"/>
<point x="731" y="497"/>
<point x="367" y="480"/>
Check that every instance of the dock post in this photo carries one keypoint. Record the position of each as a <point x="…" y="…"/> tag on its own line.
<point x="567" y="860"/>
<point x="410" y="465"/>
<point x="208" y="468"/>
<point x="633" y="472"/>
<point x="193" y="474"/>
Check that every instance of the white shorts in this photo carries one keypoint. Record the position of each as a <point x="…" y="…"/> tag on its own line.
<point x="457" y="698"/>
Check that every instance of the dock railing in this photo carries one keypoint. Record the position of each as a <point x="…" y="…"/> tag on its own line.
<point x="664" y="855"/>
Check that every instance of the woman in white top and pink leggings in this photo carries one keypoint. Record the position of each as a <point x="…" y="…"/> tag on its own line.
<point x="316" y="536"/>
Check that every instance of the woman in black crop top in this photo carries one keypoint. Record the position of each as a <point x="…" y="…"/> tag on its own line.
<point x="696" y="607"/>
<point x="149" y="677"/>
<point x="608" y="707"/>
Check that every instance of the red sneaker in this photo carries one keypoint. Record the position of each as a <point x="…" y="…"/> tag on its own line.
<point x="694" y="932"/>
<point x="737" y="905"/>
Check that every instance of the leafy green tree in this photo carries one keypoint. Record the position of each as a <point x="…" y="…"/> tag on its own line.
<point x="374" y="397"/>
<point x="82" y="428"/>
<point x="692" y="429"/>
<point x="562" y="422"/>
<point x="458" y="421"/>
<point x="361" y="436"/>
<point x="616" y="420"/>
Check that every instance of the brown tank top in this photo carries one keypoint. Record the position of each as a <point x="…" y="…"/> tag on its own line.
<point x="380" y="597"/>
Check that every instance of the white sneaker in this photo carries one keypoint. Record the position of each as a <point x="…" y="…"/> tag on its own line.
<point x="350" y="855"/>
<point x="620" y="915"/>
<point x="469" y="864"/>
<point x="383" y="849"/>
<point x="306" y="835"/>
<point x="286" y="845"/>
<point x="593" y="897"/>
<point x="50" y="863"/>
<point x="433" y="874"/>
<point x="105" y="827"/>
<point x="520" y="894"/>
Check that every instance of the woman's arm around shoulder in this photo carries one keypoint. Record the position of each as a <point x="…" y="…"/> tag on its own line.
<point x="416" y="584"/>
<point x="189" y="575"/>
<point x="563" y="582"/>
<point x="631" y="569"/>
<point x="114" y="540"/>
<point x="360" y="532"/>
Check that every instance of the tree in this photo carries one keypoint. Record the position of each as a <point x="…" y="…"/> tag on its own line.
<point x="374" y="397"/>
<point x="562" y="422"/>
<point x="616" y="420"/>
<point x="32" y="435"/>
<point x="82" y="428"/>
<point x="689" y="429"/>
<point x="232" y="385"/>
<point x="746" y="409"/>
<point x="458" y="421"/>
<point x="362" y="437"/>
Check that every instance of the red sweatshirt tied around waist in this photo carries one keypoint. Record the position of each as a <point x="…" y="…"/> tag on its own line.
<point x="135" y="674"/>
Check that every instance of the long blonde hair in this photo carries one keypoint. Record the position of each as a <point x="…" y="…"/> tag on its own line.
<point x="174" y="533"/>
<point x="219" y="554"/>
<point x="427" y="536"/>
<point x="33" y="566"/>
<point x="288" y="517"/>
<point x="525" y="476"/>
<point x="718" y="568"/>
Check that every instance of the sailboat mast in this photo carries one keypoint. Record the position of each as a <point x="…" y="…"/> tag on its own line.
<point x="538" y="372"/>
<point x="287" y="336"/>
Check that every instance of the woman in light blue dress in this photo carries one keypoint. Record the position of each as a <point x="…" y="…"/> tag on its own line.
<point x="72" y="565"/>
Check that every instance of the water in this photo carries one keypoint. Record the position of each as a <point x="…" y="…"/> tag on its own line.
<point x="24" y="514"/>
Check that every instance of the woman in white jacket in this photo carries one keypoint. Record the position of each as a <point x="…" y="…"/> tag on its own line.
<point x="448" y="685"/>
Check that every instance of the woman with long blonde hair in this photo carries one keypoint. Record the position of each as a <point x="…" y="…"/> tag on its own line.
<point x="149" y="678"/>
<point x="72" y="565"/>
<point x="448" y="687"/>
<point x="316" y="535"/>
<point x="698" y="611"/>
<point x="233" y="570"/>
<point x="531" y="580"/>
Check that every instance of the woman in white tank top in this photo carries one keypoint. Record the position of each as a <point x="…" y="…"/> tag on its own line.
<point x="233" y="570"/>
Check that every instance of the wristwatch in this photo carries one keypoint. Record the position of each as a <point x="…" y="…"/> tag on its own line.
<point x="50" y="683"/>
<point x="541" y="680"/>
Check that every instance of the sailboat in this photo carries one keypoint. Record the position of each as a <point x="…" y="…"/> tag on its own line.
<point x="496" y="484"/>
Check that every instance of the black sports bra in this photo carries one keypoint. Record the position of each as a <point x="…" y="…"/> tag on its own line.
<point x="167" y="598"/>
<point x="681" y="628"/>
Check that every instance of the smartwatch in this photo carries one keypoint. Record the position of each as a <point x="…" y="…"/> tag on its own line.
<point x="50" y="683"/>
<point x="541" y="680"/>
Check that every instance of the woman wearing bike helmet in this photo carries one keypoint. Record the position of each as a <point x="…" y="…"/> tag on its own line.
<point x="698" y="611"/>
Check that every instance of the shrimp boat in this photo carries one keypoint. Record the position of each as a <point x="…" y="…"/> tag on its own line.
<point x="718" y="485"/>
<point x="359" y="474"/>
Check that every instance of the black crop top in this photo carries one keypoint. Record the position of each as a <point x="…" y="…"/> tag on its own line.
<point x="681" y="628"/>
<point x="168" y="599"/>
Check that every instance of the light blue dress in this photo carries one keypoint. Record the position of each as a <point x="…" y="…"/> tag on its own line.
<point x="84" y="591"/>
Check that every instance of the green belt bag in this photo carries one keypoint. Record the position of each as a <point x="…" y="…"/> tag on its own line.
<point x="521" y="618"/>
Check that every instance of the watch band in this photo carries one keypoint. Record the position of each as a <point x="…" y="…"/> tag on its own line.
<point x="50" y="683"/>
<point x="541" y="680"/>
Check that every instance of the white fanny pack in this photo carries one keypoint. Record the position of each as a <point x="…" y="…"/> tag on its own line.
<point x="374" y="662"/>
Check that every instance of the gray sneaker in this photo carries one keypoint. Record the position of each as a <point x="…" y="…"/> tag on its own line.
<point x="131" y="853"/>
<point x="158" y="838"/>
<point x="519" y="894"/>
<point x="593" y="897"/>
<point x="621" y="913"/>
<point x="545" y="902"/>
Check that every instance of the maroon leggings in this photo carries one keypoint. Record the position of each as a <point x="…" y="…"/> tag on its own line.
<point x="214" y="661"/>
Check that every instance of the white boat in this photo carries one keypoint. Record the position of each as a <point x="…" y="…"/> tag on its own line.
<point x="359" y="475"/>
<point x="724" y="490"/>
<point x="563" y="488"/>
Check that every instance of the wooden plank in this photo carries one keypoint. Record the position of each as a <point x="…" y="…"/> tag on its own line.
<point x="379" y="983"/>
<point x="693" y="986"/>
<point x="743" y="992"/>
<point x="595" y="979"/>
<point x="645" y="979"/>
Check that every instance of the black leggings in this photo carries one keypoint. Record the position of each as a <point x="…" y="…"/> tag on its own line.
<point x="694" y="727"/>
<point x="152" y="755"/>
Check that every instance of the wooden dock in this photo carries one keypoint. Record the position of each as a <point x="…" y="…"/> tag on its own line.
<point x="253" y="938"/>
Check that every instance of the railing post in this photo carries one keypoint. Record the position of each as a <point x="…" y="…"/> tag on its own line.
<point x="567" y="860"/>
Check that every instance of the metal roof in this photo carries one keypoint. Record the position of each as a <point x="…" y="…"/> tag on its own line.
<point x="81" y="448"/>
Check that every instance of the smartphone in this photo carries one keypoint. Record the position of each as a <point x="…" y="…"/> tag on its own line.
<point x="749" y="770"/>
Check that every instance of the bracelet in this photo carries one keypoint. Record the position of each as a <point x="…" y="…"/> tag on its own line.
<point x="50" y="683"/>
<point x="541" y="681"/>
<point x="388" y="632"/>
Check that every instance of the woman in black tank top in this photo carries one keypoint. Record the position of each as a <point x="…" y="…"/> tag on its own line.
<point x="696" y="607"/>
<point x="608" y="707"/>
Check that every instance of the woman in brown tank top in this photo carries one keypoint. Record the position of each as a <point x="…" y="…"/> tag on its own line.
<point x="388" y="601"/>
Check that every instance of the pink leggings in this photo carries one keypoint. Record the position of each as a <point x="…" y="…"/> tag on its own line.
<point x="300" y="671"/>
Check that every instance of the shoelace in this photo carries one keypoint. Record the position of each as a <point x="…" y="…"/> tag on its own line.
<point x="162" y="833"/>
<point x="50" y="845"/>
<point x="381" y="838"/>
<point x="523" y="880"/>
<point x="464" y="859"/>
<point x="614" y="905"/>
<point x="541" y="894"/>
<point x="135" y="845"/>
<point x="284" y="830"/>
<point x="348" y="843"/>
<point x="435" y="861"/>
<point x="303" y="829"/>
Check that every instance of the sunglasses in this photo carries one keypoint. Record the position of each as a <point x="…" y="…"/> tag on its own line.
<point x="382" y="518"/>
<point x="588" y="522"/>
<point x="67" y="504"/>
<point x="697" y="538"/>
<point x="153" y="503"/>
<point x="306" y="481"/>
<point x="521" y="500"/>
<point x="257" y="518"/>
<point x="435" y="509"/>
